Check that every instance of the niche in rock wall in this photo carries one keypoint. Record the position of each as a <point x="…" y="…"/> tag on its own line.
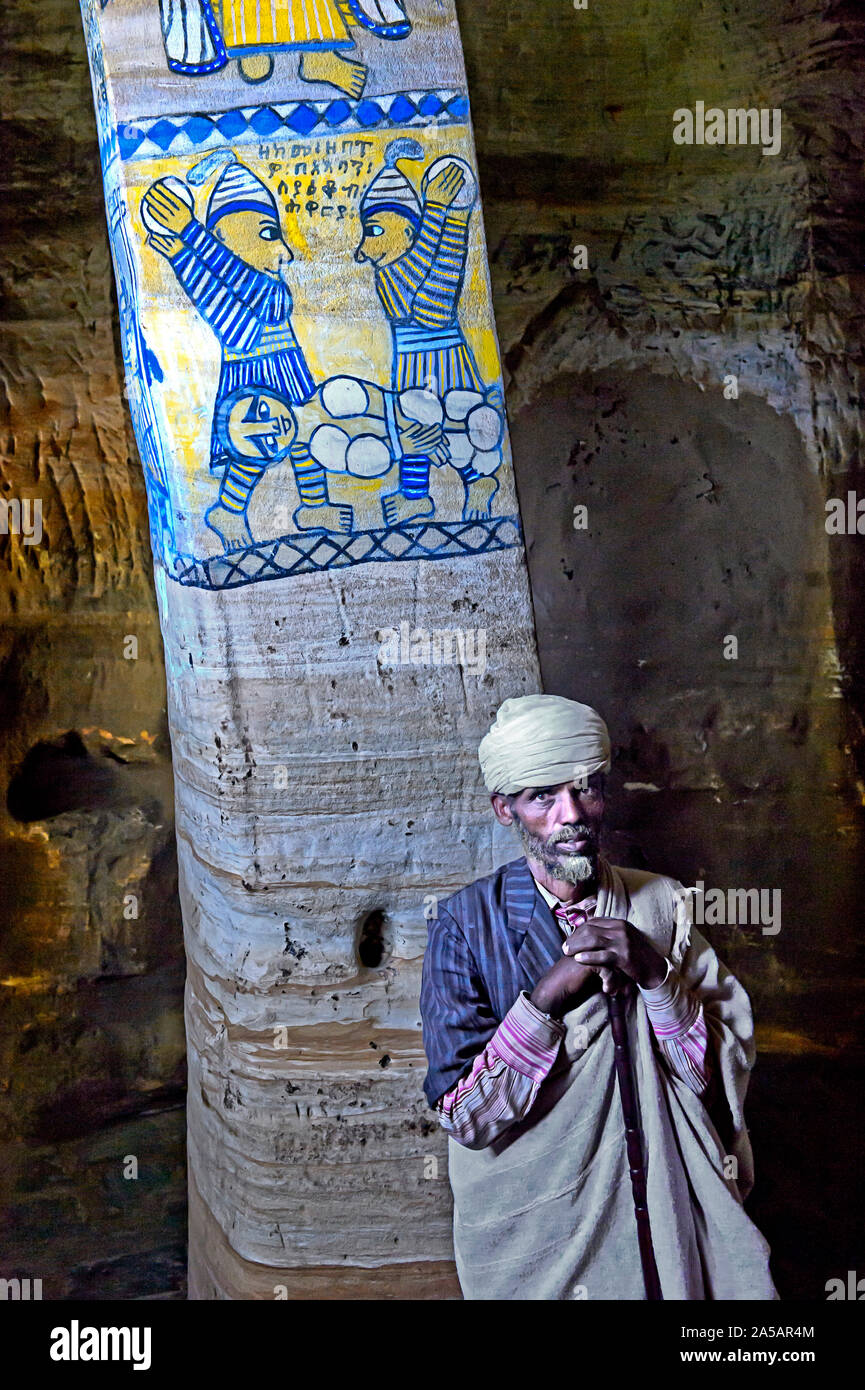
<point x="678" y="559"/>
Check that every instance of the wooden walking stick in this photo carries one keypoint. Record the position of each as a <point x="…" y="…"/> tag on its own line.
<point x="636" y="1167"/>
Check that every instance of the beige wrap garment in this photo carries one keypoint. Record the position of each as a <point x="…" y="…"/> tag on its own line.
<point x="546" y="1211"/>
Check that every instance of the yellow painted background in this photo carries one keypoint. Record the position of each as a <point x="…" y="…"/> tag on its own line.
<point x="337" y="318"/>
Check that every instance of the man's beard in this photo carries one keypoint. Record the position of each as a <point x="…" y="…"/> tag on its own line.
<point x="567" y="868"/>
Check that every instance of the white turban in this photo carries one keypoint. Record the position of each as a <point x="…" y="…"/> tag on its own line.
<point x="542" y="741"/>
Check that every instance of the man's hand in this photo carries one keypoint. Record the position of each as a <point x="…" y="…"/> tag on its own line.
<point x="166" y="245"/>
<point x="610" y="943"/>
<point x="166" y="209"/>
<point x="426" y="439"/>
<point x="557" y="991"/>
<point x="445" y="186"/>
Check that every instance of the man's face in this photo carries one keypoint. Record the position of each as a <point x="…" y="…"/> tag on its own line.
<point x="559" y="827"/>
<point x="386" y="237"/>
<point x="256" y="238"/>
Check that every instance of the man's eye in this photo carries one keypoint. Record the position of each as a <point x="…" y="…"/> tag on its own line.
<point x="374" y="230"/>
<point x="269" y="234"/>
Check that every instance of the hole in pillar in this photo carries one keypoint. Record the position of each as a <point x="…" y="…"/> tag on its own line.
<point x="373" y="945"/>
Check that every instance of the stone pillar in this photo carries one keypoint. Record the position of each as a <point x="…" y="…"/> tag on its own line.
<point x="314" y="381"/>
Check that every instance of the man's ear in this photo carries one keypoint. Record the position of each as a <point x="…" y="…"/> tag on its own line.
<point x="502" y="809"/>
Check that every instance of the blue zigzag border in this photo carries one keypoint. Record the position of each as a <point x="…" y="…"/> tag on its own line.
<point x="153" y="137"/>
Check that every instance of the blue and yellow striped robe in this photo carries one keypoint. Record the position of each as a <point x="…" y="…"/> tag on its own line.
<point x="420" y="294"/>
<point x="250" y="313"/>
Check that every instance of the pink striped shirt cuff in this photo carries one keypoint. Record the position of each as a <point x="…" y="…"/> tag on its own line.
<point x="679" y="1025"/>
<point x="672" y="1009"/>
<point x="504" y="1078"/>
<point x="526" y="1039"/>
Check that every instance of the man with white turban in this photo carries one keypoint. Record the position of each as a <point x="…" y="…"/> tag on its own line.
<point x="521" y="1055"/>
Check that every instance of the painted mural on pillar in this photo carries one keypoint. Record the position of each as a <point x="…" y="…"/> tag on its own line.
<point x="200" y="36"/>
<point x="308" y="335"/>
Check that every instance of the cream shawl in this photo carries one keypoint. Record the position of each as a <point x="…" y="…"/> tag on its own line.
<point x="546" y="1211"/>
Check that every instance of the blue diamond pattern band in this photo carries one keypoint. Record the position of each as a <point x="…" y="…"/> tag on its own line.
<point x="150" y="138"/>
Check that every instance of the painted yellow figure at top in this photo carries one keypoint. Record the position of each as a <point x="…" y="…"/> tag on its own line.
<point x="255" y="29"/>
<point x="201" y="35"/>
<point x="265" y="23"/>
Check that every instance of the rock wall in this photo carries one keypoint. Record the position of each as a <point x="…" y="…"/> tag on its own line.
<point x="93" y="1050"/>
<point x="705" y="512"/>
<point x="705" y="519"/>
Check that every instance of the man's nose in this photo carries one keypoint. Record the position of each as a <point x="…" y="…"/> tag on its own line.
<point x="287" y="255"/>
<point x="570" y="806"/>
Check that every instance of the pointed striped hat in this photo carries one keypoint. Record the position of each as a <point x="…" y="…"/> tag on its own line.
<point x="236" y="190"/>
<point x="390" y="190"/>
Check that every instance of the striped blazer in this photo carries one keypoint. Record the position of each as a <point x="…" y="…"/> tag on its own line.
<point x="488" y="942"/>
